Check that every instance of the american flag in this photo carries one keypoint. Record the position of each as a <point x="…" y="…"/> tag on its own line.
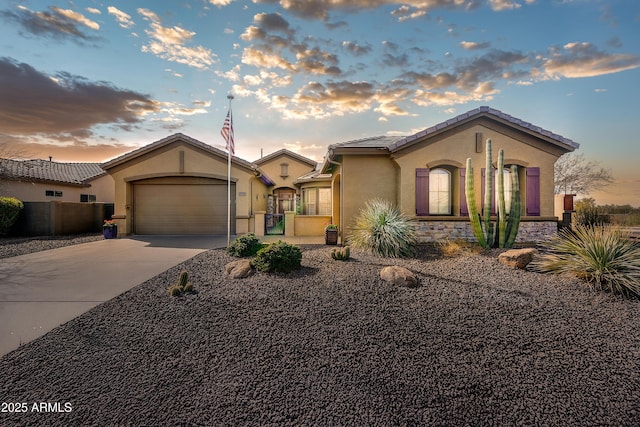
<point x="227" y="133"/>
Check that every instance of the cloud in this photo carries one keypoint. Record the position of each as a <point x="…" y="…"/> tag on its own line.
<point x="405" y="13"/>
<point x="499" y="5"/>
<point x="319" y="9"/>
<point x="93" y="10"/>
<point x="474" y="45"/>
<point x="64" y="107"/>
<point x="124" y="19"/>
<point x="57" y="23"/>
<point x="169" y="43"/>
<point x="577" y="60"/>
<point x="356" y="49"/>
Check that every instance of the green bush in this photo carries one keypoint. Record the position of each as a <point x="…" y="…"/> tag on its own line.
<point x="245" y="245"/>
<point x="602" y="256"/>
<point x="384" y="230"/>
<point x="10" y="208"/>
<point x="279" y="257"/>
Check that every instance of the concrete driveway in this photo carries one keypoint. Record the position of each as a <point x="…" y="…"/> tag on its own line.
<point x="43" y="290"/>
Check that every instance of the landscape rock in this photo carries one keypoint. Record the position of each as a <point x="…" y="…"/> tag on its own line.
<point x="399" y="276"/>
<point x="518" y="258"/>
<point x="239" y="269"/>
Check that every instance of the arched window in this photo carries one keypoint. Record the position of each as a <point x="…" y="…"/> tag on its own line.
<point x="439" y="192"/>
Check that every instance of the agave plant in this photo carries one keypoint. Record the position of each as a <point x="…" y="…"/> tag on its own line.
<point x="604" y="256"/>
<point x="382" y="229"/>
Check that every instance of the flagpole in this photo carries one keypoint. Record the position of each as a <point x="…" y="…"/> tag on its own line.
<point x="229" y="97"/>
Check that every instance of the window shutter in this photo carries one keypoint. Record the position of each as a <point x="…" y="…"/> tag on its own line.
<point x="422" y="191"/>
<point x="533" y="191"/>
<point x="464" y="210"/>
<point x="493" y="199"/>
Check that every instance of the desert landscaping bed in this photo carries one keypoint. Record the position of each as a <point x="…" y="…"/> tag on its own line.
<point x="15" y="246"/>
<point x="477" y="343"/>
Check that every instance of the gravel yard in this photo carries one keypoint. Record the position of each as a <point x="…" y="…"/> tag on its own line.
<point x="10" y="247"/>
<point x="476" y="344"/>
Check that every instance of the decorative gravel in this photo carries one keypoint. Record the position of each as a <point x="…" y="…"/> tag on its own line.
<point x="332" y="344"/>
<point x="10" y="247"/>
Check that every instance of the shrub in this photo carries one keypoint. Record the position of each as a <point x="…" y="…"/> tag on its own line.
<point x="458" y="247"/>
<point x="245" y="245"/>
<point x="10" y="208"/>
<point x="602" y="256"/>
<point x="382" y="229"/>
<point x="591" y="216"/>
<point x="279" y="257"/>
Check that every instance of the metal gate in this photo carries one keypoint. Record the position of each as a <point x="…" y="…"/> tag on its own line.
<point x="273" y="224"/>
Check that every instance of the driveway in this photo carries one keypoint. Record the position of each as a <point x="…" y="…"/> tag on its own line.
<point x="43" y="290"/>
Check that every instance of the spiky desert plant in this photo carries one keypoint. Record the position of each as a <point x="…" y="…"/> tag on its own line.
<point x="382" y="229"/>
<point x="341" y="254"/>
<point x="604" y="257"/>
<point x="504" y="233"/>
<point x="182" y="285"/>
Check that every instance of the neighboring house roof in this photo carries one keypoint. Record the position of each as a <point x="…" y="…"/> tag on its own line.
<point x="76" y="174"/>
<point x="285" y="152"/>
<point x="169" y="140"/>
<point x="392" y="144"/>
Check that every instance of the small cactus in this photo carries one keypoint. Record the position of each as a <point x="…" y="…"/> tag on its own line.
<point x="181" y="286"/>
<point x="341" y="254"/>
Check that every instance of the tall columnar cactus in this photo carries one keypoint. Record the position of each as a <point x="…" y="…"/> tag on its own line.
<point x="503" y="234"/>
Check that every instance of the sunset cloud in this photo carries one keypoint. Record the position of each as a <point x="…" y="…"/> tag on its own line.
<point x="56" y="23"/>
<point x="169" y="43"/>
<point x="575" y="60"/>
<point x="124" y="19"/>
<point x="64" y="107"/>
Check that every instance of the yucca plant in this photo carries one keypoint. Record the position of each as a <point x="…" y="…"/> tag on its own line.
<point x="382" y="229"/>
<point x="603" y="256"/>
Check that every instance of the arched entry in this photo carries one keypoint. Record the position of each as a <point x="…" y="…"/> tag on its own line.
<point x="285" y="199"/>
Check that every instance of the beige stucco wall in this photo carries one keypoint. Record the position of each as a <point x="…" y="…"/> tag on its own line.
<point x="102" y="187"/>
<point x="365" y="178"/>
<point x="296" y="169"/>
<point x="453" y="149"/>
<point x="182" y="159"/>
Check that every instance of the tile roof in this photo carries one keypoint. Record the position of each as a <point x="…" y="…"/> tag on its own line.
<point x="370" y="142"/>
<point x="285" y="152"/>
<point x="45" y="170"/>
<point x="487" y="111"/>
<point x="168" y="140"/>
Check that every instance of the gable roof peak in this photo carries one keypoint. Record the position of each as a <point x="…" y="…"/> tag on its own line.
<point x="285" y="152"/>
<point x="484" y="110"/>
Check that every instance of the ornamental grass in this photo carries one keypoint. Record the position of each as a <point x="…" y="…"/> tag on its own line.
<point x="603" y="256"/>
<point x="382" y="229"/>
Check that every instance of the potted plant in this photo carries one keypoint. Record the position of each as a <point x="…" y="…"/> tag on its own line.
<point x="109" y="229"/>
<point x="331" y="234"/>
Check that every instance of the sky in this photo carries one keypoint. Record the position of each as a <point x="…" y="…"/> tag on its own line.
<point x="91" y="80"/>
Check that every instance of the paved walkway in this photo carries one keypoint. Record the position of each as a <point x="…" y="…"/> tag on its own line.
<point x="43" y="290"/>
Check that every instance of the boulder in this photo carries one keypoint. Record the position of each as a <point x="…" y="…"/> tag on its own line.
<point x="518" y="258"/>
<point x="239" y="269"/>
<point x="399" y="276"/>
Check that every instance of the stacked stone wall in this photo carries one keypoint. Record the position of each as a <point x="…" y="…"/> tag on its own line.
<point x="434" y="231"/>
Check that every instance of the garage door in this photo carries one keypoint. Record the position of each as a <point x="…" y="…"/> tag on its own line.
<point x="182" y="206"/>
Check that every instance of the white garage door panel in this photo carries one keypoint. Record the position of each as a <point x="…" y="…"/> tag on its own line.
<point x="180" y="209"/>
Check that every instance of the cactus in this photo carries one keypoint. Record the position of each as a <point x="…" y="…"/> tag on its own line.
<point x="341" y="254"/>
<point x="181" y="286"/>
<point x="503" y="234"/>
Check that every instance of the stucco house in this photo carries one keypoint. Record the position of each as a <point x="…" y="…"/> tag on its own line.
<point x="178" y="185"/>
<point x="424" y="173"/>
<point x="46" y="181"/>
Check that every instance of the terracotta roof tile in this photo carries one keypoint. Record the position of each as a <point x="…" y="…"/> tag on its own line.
<point x="44" y="170"/>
